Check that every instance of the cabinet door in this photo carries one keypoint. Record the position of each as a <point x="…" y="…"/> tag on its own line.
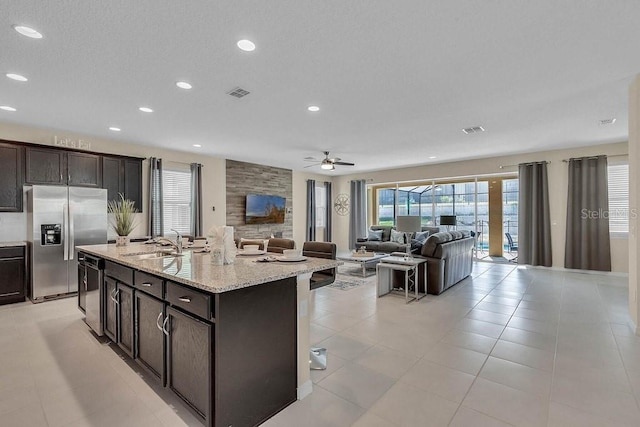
<point x="84" y="170"/>
<point x="133" y="181"/>
<point x="125" y="318"/>
<point x="12" y="283"/>
<point x="110" y="317"/>
<point x="189" y="360"/>
<point x="45" y="166"/>
<point x="112" y="177"/>
<point x="149" y="315"/>
<point x="10" y="178"/>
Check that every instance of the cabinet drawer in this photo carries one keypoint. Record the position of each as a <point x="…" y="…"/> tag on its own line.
<point x="148" y="283"/>
<point x="196" y="302"/>
<point x="13" y="252"/>
<point x="119" y="272"/>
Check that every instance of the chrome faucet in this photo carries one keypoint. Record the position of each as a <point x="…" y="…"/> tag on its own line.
<point x="177" y="244"/>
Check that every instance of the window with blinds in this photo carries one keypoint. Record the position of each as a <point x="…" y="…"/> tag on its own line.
<point x="618" y="183"/>
<point x="176" y="189"/>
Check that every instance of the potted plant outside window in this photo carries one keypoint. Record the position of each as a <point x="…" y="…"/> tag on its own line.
<point x="123" y="219"/>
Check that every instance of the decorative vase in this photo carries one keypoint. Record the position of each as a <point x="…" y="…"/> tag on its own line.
<point x="122" y="240"/>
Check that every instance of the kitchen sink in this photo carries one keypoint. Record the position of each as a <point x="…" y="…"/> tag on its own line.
<point x="153" y="255"/>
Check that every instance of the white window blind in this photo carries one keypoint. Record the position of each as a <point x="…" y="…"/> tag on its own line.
<point x="321" y="206"/>
<point x="176" y="189"/>
<point x="618" y="177"/>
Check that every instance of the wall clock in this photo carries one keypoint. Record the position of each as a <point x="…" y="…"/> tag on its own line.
<point x="341" y="204"/>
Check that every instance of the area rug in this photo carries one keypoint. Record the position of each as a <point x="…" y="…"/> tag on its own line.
<point x="345" y="283"/>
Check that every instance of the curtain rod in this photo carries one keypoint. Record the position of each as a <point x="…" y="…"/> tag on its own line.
<point x="173" y="161"/>
<point x="529" y="163"/>
<point x="593" y="157"/>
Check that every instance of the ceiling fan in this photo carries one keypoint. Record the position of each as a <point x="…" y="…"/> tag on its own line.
<point x="327" y="163"/>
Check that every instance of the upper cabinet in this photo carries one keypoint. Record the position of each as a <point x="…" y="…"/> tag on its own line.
<point x="44" y="166"/>
<point x="58" y="167"/>
<point x="10" y="178"/>
<point x="123" y="175"/>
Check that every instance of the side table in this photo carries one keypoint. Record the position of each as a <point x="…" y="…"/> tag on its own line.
<point x="408" y="265"/>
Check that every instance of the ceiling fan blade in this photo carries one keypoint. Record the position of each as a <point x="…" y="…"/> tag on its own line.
<point x="335" y="159"/>
<point x="311" y="159"/>
<point x="310" y="166"/>
<point x="344" y="163"/>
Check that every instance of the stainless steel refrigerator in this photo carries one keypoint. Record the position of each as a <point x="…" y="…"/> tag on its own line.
<point x="58" y="220"/>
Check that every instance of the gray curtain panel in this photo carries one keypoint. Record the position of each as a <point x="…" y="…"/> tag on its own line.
<point x="358" y="212"/>
<point x="155" y="227"/>
<point x="328" y="212"/>
<point x="311" y="210"/>
<point x="196" y="199"/>
<point x="534" y="223"/>
<point x="587" y="244"/>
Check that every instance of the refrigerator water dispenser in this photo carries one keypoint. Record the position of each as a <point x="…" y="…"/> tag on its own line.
<point x="50" y="234"/>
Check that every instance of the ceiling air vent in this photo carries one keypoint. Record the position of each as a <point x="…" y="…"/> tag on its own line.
<point x="607" y="122"/>
<point x="238" y="92"/>
<point x="475" y="129"/>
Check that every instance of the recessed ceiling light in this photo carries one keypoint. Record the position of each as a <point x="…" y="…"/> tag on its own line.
<point x="432" y="157"/>
<point x="115" y="129"/>
<point x="313" y="108"/>
<point x="7" y="108"/>
<point x="246" y="45"/>
<point x="474" y="129"/>
<point x="145" y="109"/>
<point x="16" y="77"/>
<point x="27" y="31"/>
<point x="197" y="145"/>
<point x="183" y="85"/>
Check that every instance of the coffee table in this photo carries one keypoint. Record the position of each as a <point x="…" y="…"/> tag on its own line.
<point x="365" y="262"/>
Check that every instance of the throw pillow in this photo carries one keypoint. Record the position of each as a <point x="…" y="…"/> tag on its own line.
<point x="422" y="236"/>
<point x="374" y="235"/>
<point x="397" y="237"/>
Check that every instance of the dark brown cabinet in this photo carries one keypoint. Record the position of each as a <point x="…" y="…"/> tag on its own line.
<point x="11" y="178"/>
<point x="45" y="166"/>
<point x="84" y="170"/>
<point x="110" y="304"/>
<point x="189" y="360"/>
<point x="123" y="175"/>
<point x="59" y="167"/>
<point x="124" y="314"/>
<point x="149" y="319"/>
<point x="12" y="275"/>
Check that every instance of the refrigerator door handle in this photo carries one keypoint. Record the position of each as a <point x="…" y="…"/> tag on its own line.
<point x="72" y="237"/>
<point x="65" y="231"/>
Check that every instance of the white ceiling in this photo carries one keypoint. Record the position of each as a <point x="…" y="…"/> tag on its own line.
<point x="396" y="80"/>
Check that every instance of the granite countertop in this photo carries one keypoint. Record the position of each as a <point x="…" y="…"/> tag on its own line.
<point x="12" y="244"/>
<point x="195" y="269"/>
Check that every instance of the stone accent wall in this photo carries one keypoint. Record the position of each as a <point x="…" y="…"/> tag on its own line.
<point x="249" y="178"/>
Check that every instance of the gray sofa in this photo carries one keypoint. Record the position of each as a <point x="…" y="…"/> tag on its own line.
<point x="384" y="245"/>
<point x="449" y="259"/>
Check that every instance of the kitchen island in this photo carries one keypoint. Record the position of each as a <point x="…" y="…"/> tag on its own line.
<point x="232" y="341"/>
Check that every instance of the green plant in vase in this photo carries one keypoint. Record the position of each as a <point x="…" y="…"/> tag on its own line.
<point x="123" y="220"/>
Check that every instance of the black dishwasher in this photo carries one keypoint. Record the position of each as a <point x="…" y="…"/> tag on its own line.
<point x="90" y="284"/>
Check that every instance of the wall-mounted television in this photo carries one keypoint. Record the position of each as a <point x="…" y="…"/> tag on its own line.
<point x="265" y="209"/>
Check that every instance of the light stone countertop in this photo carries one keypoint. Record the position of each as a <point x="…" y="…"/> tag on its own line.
<point x="196" y="270"/>
<point x="12" y="244"/>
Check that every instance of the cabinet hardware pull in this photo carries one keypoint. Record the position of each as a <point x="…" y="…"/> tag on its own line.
<point x="184" y="299"/>
<point x="9" y="294"/>
<point x="146" y="285"/>
<point x="166" y="332"/>
<point x="158" y="321"/>
<point x="116" y="297"/>
<point x="112" y="295"/>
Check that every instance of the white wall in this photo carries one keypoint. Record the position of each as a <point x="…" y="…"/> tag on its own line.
<point x="634" y="196"/>
<point x="13" y="225"/>
<point x="558" y="179"/>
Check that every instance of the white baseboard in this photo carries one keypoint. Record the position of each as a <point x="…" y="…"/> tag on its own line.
<point x="305" y="389"/>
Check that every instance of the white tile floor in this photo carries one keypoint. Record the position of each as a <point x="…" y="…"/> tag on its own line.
<point x="505" y="347"/>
